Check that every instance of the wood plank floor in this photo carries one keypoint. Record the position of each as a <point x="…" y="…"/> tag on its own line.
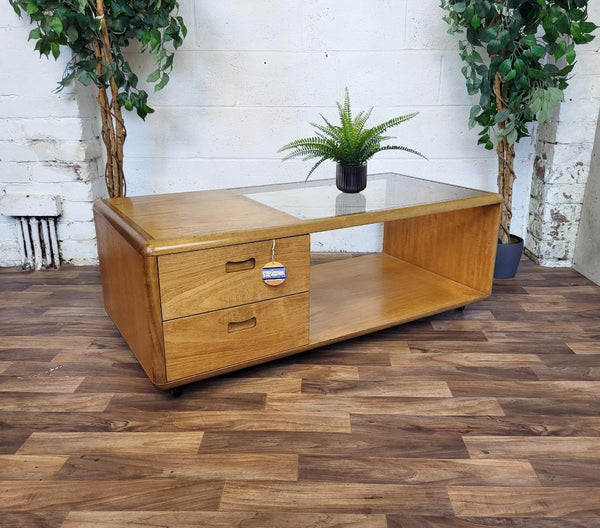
<point x="488" y="417"/>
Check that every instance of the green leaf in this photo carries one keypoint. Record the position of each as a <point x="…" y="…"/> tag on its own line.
<point x="505" y="67"/>
<point x="31" y="8"/>
<point x="475" y="22"/>
<point x="576" y="14"/>
<point x="15" y="7"/>
<point x="459" y="7"/>
<point x="163" y="82"/>
<point x="502" y="116"/>
<point x="85" y="78"/>
<point x="588" y="27"/>
<point x="56" y="25"/>
<point x="35" y="34"/>
<point x="560" y="49"/>
<point x="488" y="34"/>
<point x="538" y="51"/>
<point x="154" y="76"/>
<point x="72" y="33"/>
<point x="570" y="56"/>
<point x="494" y="47"/>
<point x="55" y="49"/>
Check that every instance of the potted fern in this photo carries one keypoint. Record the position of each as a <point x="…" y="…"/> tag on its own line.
<point x="350" y="144"/>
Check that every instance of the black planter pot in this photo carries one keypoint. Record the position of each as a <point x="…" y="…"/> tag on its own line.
<point x="507" y="258"/>
<point x="351" y="178"/>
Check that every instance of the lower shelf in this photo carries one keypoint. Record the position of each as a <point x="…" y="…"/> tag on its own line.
<point x="356" y="296"/>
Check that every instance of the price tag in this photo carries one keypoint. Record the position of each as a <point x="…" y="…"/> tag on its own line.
<point x="274" y="273"/>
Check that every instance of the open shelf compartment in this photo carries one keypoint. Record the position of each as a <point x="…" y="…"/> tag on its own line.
<point x="355" y="296"/>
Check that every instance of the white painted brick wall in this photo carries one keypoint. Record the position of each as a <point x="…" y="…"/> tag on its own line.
<point x="563" y="157"/>
<point x="250" y="77"/>
<point x="48" y="143"/>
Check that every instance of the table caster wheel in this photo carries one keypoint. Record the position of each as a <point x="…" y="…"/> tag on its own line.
<point x="460" y="309"/>
<point x="175" y="392"/>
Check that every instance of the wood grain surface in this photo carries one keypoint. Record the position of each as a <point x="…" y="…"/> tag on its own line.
<point x="200" y="281"/>
<point x="484" y="418"/>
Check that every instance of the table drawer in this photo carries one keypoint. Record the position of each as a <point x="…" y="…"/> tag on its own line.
<point x="205" y="342"/>
<point x="212" y="279"/>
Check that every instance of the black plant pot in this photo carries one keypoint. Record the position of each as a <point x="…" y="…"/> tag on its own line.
<point x="507" y="258"/>
<point x="351" y="178"/>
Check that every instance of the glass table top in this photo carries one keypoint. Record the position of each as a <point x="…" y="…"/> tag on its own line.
<point x="321" y="199"/>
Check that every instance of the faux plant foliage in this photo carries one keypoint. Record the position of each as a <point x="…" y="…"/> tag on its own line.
<point x="518" y="56"/>
<point x="96" y="32"/>
<point x="76" y="24"/>
<point x="351" y="142"/>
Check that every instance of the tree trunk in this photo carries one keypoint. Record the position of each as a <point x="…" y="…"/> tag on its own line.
<point x="506" y="170"/>
<point x="113" y="127"/>
<point x="506" y="178"/>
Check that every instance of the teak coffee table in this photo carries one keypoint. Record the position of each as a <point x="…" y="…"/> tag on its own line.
<point x="182" y="274"/>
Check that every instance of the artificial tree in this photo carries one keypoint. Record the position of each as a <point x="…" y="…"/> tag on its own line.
<point x="97" y="32"/>
<point x="519" y="55"/>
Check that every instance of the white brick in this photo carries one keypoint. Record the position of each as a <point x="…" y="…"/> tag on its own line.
<point x="372" y="25"/>
<point x="55" y="171"/>
<point x="21" y="107"/>
<point x="98" y="187"/>
<point x="48" y="148"/>
<point x="425" y="28"/>
<point x="571" y="193"/>
<point x="11" y="129"/>
<point x="567" y="174"/>
<point x="583" y="87"/>
<point x="80" y="252"/>
<point x="30" y="205"/>
<point x="452" y="140"/>
<point x="573" y="113"/>
<point x="9" y="254"/>
<point x="571" y="133"/>
<point x="15" y="172"/>
<point x="34" y="188"/>
<point x="241" y="25"/>
<point x="76" y="191"/>
<point x="77" y="211"/>
<point x="198" y="79"/>
<point x="212" y="132"/>
<point x="286" y="79"/>
<point x="560" y="213"/>
<point x="355" y="239"/>
<point x="572" y="155"/>
<point x="394" y="79"/>
<point x="69" y="129"/>
<point x="453" y="90"/>
<point x="76" y="231"/>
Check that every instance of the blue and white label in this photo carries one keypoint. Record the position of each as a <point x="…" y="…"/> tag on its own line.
<point x="274" y="273"/>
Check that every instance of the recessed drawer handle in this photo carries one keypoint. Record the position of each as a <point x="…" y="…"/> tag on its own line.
<point x="241" y="325"/>
<point x="233" y="266"/>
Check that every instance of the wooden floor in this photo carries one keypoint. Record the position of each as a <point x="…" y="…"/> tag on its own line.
<point x="484" y="418"/>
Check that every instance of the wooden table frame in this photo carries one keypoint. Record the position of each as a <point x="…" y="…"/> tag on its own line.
<point x="436" y="256"/>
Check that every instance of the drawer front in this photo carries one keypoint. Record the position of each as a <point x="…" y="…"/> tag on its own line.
<point x="212" y="279"/>
<point x="205" y="342"/>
